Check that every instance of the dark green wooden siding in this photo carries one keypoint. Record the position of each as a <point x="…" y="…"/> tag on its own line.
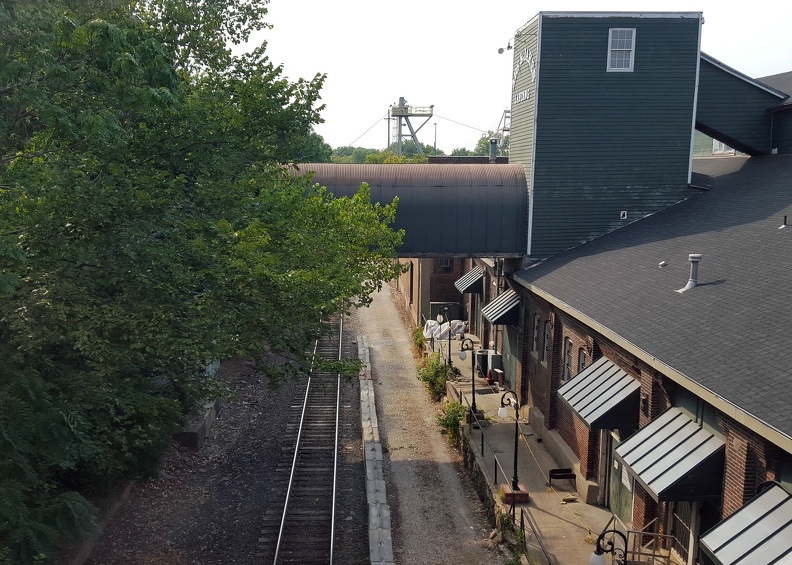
<point x="524" y="79"/>
<point x="782" y="131"/>
<point x="608" y="142"/>
<point x="734" y="110"/>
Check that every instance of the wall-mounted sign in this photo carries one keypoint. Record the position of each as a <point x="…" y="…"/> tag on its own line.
<point x="524" y="57"/>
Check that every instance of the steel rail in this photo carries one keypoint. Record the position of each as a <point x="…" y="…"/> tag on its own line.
<point x="299" y="444"/>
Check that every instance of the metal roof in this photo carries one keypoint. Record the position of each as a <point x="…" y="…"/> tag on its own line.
<point x="451" y="210"/>
<point x="604" y="396"/>
<point x="471" y="282"/>
<point x="674" y="458"/>
<point x="759" y="533"/>
<point x="504" y="310"/>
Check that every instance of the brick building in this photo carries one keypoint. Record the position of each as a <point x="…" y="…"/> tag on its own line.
<point x="635" y="298"/>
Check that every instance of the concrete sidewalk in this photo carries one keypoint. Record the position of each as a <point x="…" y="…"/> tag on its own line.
<point x="567" y="527"/>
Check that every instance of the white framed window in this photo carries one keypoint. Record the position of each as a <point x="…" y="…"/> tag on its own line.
<point x="567" y="359"/>
<point x="621" y="49"/>
<point x="581" y="359"/>
<point x="535" y="344"/>
<point x="546" y="350"/>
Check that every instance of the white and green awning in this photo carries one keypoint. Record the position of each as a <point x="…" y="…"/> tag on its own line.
<point x="674" y="458"/>
<point x="604" y="396"/>
<point x="471" y="282"/>
<point x="504" y="310"/>
<point x="759" y="533"/>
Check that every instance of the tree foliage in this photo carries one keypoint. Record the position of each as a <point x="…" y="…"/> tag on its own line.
<point x="147" y="227"/>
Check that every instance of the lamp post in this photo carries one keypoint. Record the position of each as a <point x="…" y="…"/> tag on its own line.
<point x="598" y="557"/>
<point x="502" y="413"/>
<point x="444" y="315"/>
<point x="467" y="345"/>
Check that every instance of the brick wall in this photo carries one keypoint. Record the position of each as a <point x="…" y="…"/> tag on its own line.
<point x="645" y="508"/>
<point x="442" y="279"/>
<point x="750" y="461"/>
<point x="540" y="392"/>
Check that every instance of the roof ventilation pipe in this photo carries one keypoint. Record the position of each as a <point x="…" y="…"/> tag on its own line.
<point x="693" y="282"/>
<point x="493" y="150"/>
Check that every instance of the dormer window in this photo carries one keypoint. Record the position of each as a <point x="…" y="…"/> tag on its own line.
<point x="621" y="49"/>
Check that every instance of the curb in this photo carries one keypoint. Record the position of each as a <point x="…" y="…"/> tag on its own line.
<point x="380" y="539"/>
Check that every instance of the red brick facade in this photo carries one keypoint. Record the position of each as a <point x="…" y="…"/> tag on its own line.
<point x="750" y="459"/>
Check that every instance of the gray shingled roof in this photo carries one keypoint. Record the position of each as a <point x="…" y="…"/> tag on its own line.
<point x="782" y="82"/>
<point x="731" y="334"/>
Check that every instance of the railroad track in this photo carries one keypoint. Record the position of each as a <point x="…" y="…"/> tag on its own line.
<point x="302" y="528"/>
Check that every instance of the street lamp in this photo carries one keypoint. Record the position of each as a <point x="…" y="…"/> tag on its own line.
<point x="467" y="345"/>
<point x="598" y="557"/>
<point x="502" y="414"/>
<point x="444" y="315"/>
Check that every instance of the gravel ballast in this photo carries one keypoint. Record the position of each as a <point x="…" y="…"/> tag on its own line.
<point x="205" y="505"/>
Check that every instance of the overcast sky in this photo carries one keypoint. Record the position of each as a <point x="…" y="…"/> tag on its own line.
<point x="445" y="53"/>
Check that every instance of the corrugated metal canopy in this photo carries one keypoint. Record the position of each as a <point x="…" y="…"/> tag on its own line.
<point x="471" y="282"/>
<point x="674" y="458"/>
<point x="604" y="396"/>
<point x="504" y="310"/>
<point x="759" y="533"/>
<point x="451" y="210"/>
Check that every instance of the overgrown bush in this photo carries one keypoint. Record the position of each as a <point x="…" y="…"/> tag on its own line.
<point x="451" y="419"/>
<point x="434" y="372"/>
<point x="418" y="339"/>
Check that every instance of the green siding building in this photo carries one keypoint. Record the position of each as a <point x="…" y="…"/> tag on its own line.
<point x="603" y="114"/>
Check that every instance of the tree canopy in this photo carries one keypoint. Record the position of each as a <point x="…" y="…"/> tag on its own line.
<point x="148" y="226"/>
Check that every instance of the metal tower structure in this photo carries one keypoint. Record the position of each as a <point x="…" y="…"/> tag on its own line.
<point x="402" y="114"/>
<point x="503" y="131"/>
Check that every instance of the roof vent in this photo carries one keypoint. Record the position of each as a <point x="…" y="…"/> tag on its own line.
<point x="693" y="282"/>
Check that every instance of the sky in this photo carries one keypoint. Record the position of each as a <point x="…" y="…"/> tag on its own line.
<point x="445" y="53"/>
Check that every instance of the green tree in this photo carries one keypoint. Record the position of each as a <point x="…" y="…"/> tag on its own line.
<point x="460" y="152"/>
<point x="315" y="150"/>
<point x="409" y="149"/>
<point x="147" y="227"/>
<point x="483" y="145"/>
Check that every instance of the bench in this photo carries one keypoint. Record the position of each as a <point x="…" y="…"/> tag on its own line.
<point x="559" y="474"/>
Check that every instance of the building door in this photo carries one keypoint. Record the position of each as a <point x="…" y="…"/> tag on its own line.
<point x="684" y="526"/>
<point x="620" y="484"/>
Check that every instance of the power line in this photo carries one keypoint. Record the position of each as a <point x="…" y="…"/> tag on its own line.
<point x="368" y="130"/>
<point x="435" y="115"/>
<point x="461" y="124"/>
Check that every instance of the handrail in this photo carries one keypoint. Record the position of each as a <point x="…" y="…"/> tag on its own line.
<point x="484" y="440"/>
<point x="635" y="549"/>
<point x="525" y="512"/>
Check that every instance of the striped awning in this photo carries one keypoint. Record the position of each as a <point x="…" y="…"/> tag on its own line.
<point x="504" y="310"/>
<point x="674" y="458"/>
<point x="604" y="396"/>
<point x="471" y="282"/>
<point x="759" y="533"/>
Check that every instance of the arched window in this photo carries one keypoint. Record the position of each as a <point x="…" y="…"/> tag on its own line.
<point x="546" y="350"/>
<point x="567" y="359"/>
<point x="535" y="344"/>
<point x="582" y="358"/>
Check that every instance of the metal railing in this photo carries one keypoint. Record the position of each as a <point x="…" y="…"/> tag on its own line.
<point x="523" y="522"/>
<point x="644" y="546"/>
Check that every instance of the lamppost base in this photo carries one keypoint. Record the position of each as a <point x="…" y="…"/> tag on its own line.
<point x="471" y="420"/>
<point x="508" y="495"/>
